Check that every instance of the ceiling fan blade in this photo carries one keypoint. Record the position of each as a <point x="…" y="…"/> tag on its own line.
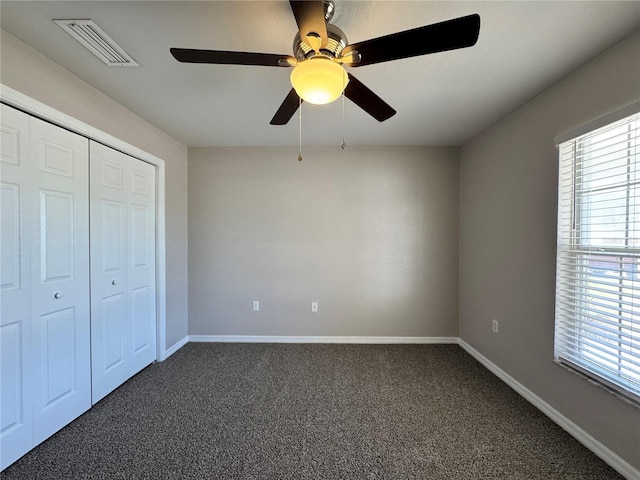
<point x="371" y="103"/>
<point x="191" y="55"/>
<point x="439" y="37"/>
<point x="287" y="109"/>
<point x="310" y="19"/>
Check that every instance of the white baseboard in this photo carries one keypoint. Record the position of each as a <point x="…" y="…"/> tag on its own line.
<point x="174" y="348"/>
<point x="615" y="461"/>
<point x="327" y="339"/>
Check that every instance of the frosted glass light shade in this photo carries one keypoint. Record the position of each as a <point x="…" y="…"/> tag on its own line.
<point x="319" y="80"/>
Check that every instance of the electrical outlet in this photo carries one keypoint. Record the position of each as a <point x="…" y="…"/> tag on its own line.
<point x="314" y="307"/>
<point x="256" y="306"/>
<point x="495" y="326"/>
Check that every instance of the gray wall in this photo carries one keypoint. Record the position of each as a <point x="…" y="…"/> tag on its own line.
<point x="508" y="202"/>
<point x="369" y="233"/>
<point x="32" y="74"/>
<point x="372" y="233"/>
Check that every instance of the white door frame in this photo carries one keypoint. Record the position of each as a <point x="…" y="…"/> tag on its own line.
<point x="34" y="107"/>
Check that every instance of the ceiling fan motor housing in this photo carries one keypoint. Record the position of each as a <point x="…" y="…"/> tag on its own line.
<point x="337" y="42"/>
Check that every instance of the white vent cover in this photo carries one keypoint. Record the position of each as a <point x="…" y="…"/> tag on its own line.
<point x="89" y="34"/>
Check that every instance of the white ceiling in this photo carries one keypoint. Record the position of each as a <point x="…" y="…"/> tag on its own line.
<point x="441" y="99"/>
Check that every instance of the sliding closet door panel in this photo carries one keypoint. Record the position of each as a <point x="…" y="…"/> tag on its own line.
<point x="16" y="378"/>
<point x="109" y="340"/>
<point x="60" y="275"/>
<point x="142" y="261"/>
<point x="122" y="191"/>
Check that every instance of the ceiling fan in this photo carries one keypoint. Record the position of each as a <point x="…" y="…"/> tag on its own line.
<point x="321" y="49"/>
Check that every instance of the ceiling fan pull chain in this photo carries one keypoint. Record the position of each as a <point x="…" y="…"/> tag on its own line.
<point x="300" y="128"/>
<point x="344" y="145"/>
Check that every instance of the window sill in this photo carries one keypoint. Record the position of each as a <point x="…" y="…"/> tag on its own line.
<point x="628" y="399"/>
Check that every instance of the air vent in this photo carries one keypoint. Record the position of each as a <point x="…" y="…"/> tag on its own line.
<point x="93" y="38"/>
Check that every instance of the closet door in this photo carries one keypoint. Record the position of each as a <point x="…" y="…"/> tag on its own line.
<point x="60" y="277"/>
<point x="16" y="379"/>
<point x="123" y="311"/>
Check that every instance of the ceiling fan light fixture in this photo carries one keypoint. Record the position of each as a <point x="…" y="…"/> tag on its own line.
<point x="319" y="80"/>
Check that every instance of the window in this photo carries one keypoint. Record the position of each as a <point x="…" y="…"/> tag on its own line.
<point x="597" y="328"/>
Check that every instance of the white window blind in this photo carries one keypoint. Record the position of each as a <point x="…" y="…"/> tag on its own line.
<point x="597" y="329"/>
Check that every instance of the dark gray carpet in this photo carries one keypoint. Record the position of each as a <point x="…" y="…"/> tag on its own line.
<point x="268" y="411"/>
